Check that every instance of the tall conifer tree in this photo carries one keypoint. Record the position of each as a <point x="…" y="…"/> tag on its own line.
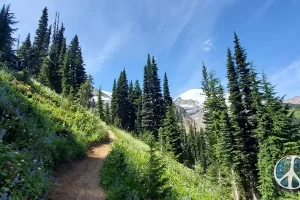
<point x="41" y="42"/>
<point x="7" y="21"/>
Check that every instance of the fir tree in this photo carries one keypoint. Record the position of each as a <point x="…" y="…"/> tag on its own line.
<point x="123" y="103"/>
<point x="114" y="102"/>
<point x="66" y="74"/>
<point x="138" y="104"/>
<point x="250" y="144"/>
<point x="202" y="150"/>
<point x="107" y="115"/>
<point x="100" y="106"/>
<point x="44" y="74"/>
<point x="147" y="111"/>
<point x="85" y="93"/>
<point x="131" y="109"/>
<point x="24" y="53"/>
<point x="172" y="132"/>
<point x="55" y="56"/>
<point x="156" y="97"/>
<point x="156" y="181"/>
<point x="41" y="42"/>
<point x="6" y="32"/>
<point x="152" y="98"/>
<point x="76" y="70"/>
<point x="237" y="120"/>
<point x="167" y="97"/>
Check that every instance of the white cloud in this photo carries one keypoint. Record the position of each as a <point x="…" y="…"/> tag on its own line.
<point x="208" y="45"/>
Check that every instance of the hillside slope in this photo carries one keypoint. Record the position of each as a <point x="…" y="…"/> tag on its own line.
<point x="38" y="130"/>
<point x="125" y="168"/>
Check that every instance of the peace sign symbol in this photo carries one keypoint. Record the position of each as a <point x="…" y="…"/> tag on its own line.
<point x="287" y="172"/>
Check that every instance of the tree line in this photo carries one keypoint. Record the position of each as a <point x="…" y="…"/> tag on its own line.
<point x="47" y="58"/>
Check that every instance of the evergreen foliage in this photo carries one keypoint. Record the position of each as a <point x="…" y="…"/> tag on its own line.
<point x="56" y="57"/>
<point x="166" y="93"/>
<point x="172" y="133"/>
<point x="107" y="114"/>
<point x="156" y="182"/>
<point x="100" y="105"/>
<point x="123" y="102"/>
<point x="113" y="106"/>
<point x="24" y="53"/>
<point x="138" y="104"/>
<point x="41" y="42"/>
<point x="152" y="111"/>
<point x="7" y="21"/>
<point x="85" y="93"/>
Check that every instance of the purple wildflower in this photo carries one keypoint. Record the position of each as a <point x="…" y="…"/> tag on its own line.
<point x="18" y="111"/>
<point x="2" y="133"/>
<point x="15" y="181"/>
<point x="4" y="196"/>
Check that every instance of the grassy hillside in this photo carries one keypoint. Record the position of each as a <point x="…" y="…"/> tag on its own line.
<point x="124" y="180"/>
<point x="38" y="130"/>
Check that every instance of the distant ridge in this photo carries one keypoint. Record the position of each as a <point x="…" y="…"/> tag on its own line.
<point x="293" y="100"/>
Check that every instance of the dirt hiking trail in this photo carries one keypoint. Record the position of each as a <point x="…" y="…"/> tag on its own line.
<point x="80" y="179"/>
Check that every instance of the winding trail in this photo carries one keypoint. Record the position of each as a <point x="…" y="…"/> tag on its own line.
<point x="80" y="179"/>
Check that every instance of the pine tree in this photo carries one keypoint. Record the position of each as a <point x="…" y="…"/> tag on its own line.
<point x="114" y="102"/>
<point x="156" y="97"/>
<point x="131" y="109"/>
<point x="202" y="150"/>
<point x="85" y="93"/>
<point x="41" y="42"/>
<point x="107" y="115"/>
<point x="66" y="74"/>
<point x="147" y="111"/>
<point x="156" y="181"/>
<point x="44" y="74"/>
<point x="80" y="74"/>
<point x="123" y="103"/>
<point x="173" y="133"/>
<point x="237" y="120"/>
<point x="77" y="71"/>
<point x="100" y="106"/>
<point x="250" y="144"/>
<point x="55" y="56"/>
<point x="24" y="53"/>
<point x="209" y="109"/>
<point x="138" y="100"/>
<point x="152" y="99"/>
<point x="6" y="32"/>
<point x="167" y="97"/>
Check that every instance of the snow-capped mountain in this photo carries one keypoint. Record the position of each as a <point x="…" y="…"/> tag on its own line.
<point x="192" y="102"/>
<point x="106" y="96"/>
<point x="293" y="100"/>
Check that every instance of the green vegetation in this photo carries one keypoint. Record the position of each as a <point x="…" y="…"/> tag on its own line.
<point x="39" y="129"/>
<point x="125" y="173"/>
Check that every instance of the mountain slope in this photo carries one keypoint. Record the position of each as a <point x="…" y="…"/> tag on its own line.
<point x="293" y="100"/>
<point x="106" y="96"/>
<point x="192" y="102"/>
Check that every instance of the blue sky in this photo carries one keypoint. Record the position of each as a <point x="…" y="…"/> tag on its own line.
<point x="180" y="34"/>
